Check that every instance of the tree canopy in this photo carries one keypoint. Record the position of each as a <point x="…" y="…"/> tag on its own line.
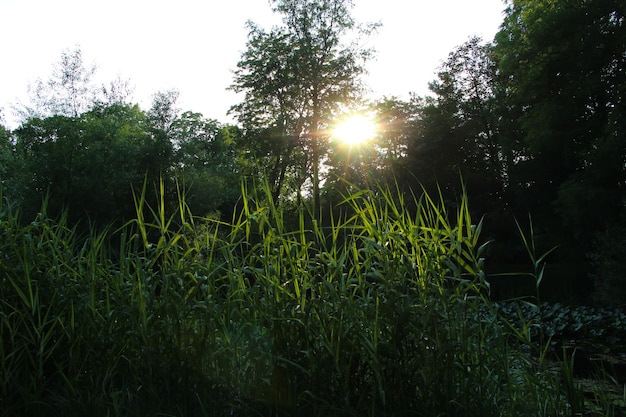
<point x="561" y="65"/>
<point x="295" y="78"/>
<point x="71" y="91"/>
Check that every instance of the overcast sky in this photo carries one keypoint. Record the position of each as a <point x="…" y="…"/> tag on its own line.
<point x="193" y="45"/>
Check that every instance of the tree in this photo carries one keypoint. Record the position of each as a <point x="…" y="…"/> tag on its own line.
<point x="398" y="123"/>
<point x="276" y="157"/>
<point x="561" y="65"/>
<point x="457" y="132"/>
<point x="88" y="164"/>
<point x="296" y="76"/>
<point x="160" y="118"/>
<point x="206" y="163"/>
<point x="163" y="112"/>
<point x="9" y="166"/>
<point x="118" y="91"/>
<point x="70" y="90"/>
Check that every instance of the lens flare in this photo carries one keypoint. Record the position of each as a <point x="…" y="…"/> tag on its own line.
<point x="355" y="129"/>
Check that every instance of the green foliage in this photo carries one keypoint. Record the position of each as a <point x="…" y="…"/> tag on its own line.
<point x="376" y="307"/>
<point x="8" y="160"/>
<point x="533" y="123"/>
<point x="88" y="164"/>
<point x="206" y="162"/>
<point x="457" y="130"/>
<point x="559" y="63"/>
<point x="609" y="276"/>
<point x="294" y="78"/>
<point x="587" y="342"/>
<point x="564" y="323"/>
<point x="380" y="313"/>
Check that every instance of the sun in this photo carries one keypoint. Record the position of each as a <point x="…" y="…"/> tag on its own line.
<point x="355" y="129"/>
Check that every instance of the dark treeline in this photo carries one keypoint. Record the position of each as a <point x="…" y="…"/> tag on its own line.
<point x="532" y="122"/>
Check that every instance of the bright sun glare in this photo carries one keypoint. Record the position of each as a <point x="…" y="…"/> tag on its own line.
<point x="355" y="129"/>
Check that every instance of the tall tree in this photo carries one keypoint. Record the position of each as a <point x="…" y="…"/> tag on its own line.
<point x="68" y="92"/>
<point x="118" y="91"/>
<point x="296" y="76"/>
<point x="71" y="91"/>
<point x="398" y="125"/>
<point x="562" y="67"/>
<point x="160" y="118"/>
<point x="561" y="64"/>
<point x="458" y="133"/>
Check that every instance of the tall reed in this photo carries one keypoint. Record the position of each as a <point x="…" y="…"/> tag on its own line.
<point x="374" y="310"/>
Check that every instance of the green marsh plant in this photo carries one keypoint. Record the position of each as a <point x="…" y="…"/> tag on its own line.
<point x="374" y="310"/>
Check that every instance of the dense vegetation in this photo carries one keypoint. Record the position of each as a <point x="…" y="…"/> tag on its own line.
<point x="532" y="121"/>
<point x="158" y="261"/>
<point x="381" y="313"/>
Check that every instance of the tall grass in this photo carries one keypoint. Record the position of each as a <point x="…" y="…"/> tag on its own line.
<point x="372" y="312"/>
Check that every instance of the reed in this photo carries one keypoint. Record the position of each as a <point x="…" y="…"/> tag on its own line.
<point x="371" y="311"/>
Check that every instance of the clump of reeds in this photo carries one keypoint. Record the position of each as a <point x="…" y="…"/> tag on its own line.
<point x="374" y="310"/>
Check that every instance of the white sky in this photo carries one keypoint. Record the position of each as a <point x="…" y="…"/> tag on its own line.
<point x="193" y="45"/>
